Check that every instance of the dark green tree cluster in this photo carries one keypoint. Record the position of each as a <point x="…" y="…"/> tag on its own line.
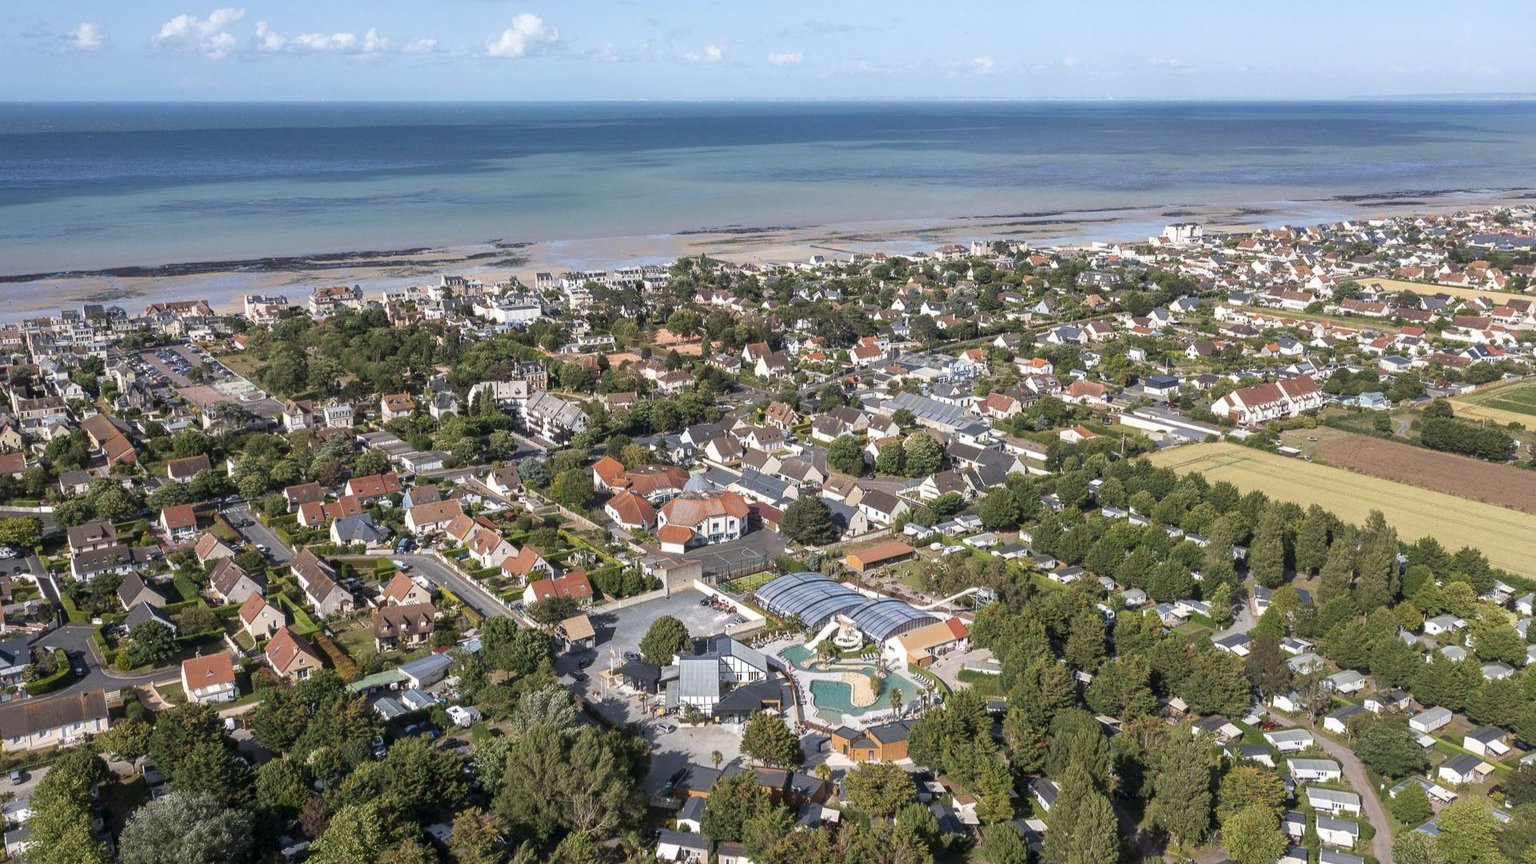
<point x="1468" y="439"/>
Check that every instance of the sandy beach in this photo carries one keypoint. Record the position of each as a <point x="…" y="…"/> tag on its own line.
<point x="224" y="285"/>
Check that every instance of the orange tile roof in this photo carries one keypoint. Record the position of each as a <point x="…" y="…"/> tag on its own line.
<point x="200" y="672"/>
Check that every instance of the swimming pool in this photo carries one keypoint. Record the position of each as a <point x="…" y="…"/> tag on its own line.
<point x="837" y="696"/>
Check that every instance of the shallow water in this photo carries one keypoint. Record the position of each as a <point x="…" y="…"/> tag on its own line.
<point x="93" y="186"/>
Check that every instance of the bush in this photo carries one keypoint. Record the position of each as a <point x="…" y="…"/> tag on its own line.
<point x="57" y="679"/>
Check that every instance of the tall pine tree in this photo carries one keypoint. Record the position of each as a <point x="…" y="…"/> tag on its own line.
<point x="1338" y="572"/>
<point x="1081" y="826"/>
<point x="1181" y="785"/>
<point x="1266" y="554"/>
<point x="1312" y="540"/>
<point x="1376" y="584"/>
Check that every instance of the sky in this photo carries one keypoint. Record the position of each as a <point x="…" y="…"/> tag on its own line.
<point x="279" y="50"/>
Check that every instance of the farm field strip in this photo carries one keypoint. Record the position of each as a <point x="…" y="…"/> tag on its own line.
<point x="1507" y="537"/>
<point x="1430" y="289"/>
<point x="1511" y="402"/>
<point x="1461" y="476"/>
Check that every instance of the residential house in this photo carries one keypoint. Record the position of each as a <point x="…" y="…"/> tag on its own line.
<point x="318" y="582"/>
<point x="699" y="518"/>
<point x="179" y="522"/>
<point x="230" y="583"/>
<point x="260" y="619"/>
<point x="59" y="720"/>
<point x="303" y="493"/>
<point x="92" y="536"/>
<point x="372" y="487"/>
<point x="209" y="679"/>
<point x="393" y="406"/>
<point x="183" y="470"/>
<point x="403" y="627"/>
<point x="359" y="529"/>
<point x="432" y="517"/>
<point x="209" y="549"/>
<point x="133" y="590"/>
<point x="1249" y="406"/>
<point x="574" y="585"/>
<point x="527" y="565"/>
<point x="290" y="656"/>
<point x="402" y="590"/>
<point x="630" y="511"/>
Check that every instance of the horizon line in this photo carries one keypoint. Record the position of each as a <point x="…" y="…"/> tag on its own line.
<point x="844" y="100"/>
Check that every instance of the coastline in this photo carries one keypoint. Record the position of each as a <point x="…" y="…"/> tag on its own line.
<point x="224" y="283"/>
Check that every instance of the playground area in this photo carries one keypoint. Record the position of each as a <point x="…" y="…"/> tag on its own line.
<point x="849" y="691"/>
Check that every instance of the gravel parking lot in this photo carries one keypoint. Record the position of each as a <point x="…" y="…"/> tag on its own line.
<point x="622" y="630"/>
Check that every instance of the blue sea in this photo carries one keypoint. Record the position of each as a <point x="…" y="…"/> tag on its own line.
<point x="87" y="186"/>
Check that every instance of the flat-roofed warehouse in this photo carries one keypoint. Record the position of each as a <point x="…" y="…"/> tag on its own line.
<point x="816" y="599"/>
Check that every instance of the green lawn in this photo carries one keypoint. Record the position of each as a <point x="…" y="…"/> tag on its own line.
<point x="356" y="639"/>
<point x="981" y="682"/>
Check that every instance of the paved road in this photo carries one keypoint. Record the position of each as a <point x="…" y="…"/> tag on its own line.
<point x="1244" y="620"/>
<point x="76" y="640"/>
<point x="45" y="519"/>
<point x="476" y="595"/>
<point x="1361" y="779"/>
<point x="258" y="534"/>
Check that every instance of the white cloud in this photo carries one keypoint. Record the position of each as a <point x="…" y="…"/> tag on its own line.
<point x="269" y="41"/>
<point x="528" y="33"/>
<point x="611" y="53"/>
<point x="710" y="54"/>
<point x="420" y="46"/>
<point x="1071" y="63"/>
<point x="205" y="36"/>
<point x="982" y="65"/>
<point x="86" y="37"/>
<point x="786" y="59"/>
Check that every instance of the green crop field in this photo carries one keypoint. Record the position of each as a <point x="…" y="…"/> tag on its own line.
<point x="1506" y="536"/>
<point x="1500" y="403"/>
